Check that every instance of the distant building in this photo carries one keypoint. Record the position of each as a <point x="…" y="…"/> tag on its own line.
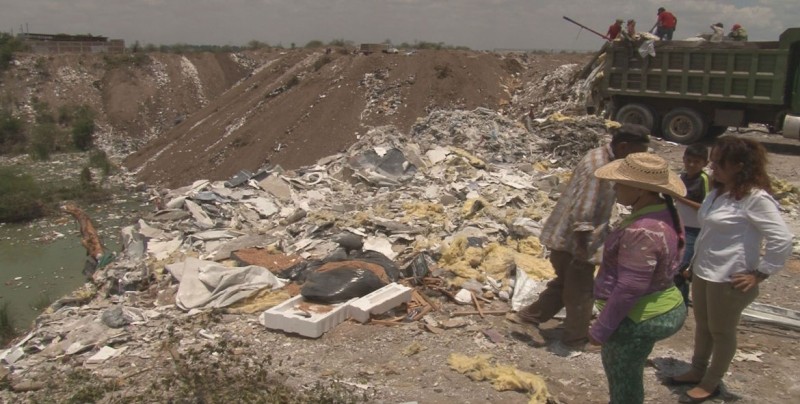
<point x="63" y="43"/>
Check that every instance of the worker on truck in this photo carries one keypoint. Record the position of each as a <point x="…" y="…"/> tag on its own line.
<point x="738" y="33"/>
<point x="615" y="29"/>
<point x="665" y="24"/>
<point x="717" y="32"/>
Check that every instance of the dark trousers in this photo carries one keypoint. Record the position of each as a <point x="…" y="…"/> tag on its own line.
<point x="625" y="353"/>
<point x="572" y="288"/>
<point x="682" y="283"/>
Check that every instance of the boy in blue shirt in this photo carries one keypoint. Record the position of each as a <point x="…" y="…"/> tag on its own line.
<point x="695" y="158"/>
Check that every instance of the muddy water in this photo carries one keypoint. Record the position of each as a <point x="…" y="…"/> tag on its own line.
<point x="42" y="261"/>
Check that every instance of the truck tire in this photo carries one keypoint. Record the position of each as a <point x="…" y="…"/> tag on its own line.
<point x="684" y="125"/>
<point x="637" y="113"/>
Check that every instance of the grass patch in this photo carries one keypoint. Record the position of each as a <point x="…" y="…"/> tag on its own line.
<point x="20" y="196"/>
<point x="99" y="159"/>
<point x="42" y="302"/>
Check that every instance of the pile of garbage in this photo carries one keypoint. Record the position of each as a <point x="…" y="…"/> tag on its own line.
<point x="417" y="208"/>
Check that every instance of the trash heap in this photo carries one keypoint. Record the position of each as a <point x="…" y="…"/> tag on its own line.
<point x="558" y="91"/>
<point x="474" y="214"/>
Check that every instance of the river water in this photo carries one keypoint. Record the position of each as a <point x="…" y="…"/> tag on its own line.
<point x="42" y="261"/>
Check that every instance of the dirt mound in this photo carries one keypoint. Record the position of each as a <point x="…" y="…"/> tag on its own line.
<point x="311" y="105"/>
<point x="209" y="115"/>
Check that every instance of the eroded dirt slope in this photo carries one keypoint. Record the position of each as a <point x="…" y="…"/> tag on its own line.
<point x="297" y="110"/>
<point x="134" y="97"/>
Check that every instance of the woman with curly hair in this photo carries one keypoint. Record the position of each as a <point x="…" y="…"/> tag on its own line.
<point x="736" y="218"/>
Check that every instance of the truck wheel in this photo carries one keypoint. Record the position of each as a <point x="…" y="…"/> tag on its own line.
<point x="714" y="131"/>
<point x="639" y="114"/>
<point x="684" y="125"/>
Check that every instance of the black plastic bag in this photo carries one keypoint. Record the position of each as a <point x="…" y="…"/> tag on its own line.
<point x="339" y="285"/>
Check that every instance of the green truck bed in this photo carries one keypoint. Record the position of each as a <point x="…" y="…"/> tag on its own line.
<point x="753" y="72"/>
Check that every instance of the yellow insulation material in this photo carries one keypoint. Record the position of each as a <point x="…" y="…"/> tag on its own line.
<point x="530" y="245"/>
<point x="559" y="117"/>
<point x="432" y="212"/>
<point x="495" y="260"/>
<point x="502" y="377"/>
<point x="473" y="161"/>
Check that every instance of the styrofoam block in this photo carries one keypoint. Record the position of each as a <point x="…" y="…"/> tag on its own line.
<point x="379" y="301"/>
<point x="287" y="317"/>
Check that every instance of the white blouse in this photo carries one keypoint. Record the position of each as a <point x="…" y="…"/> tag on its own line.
<point x="732" y="232"/>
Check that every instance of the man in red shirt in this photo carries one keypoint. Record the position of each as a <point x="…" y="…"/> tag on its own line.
<point x="614" y="30"/>
<point x="665" y="25"/>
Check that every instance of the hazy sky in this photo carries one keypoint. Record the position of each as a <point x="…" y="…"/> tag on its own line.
<point x="478" y="24"/>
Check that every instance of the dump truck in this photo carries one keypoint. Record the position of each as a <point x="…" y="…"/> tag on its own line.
<point x="693" y="89"/>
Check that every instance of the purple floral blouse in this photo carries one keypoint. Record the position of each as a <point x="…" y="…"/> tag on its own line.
<point x="639" y="258"/>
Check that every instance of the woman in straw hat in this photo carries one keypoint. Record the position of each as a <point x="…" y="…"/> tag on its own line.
<point x="638" y="301"/>
<point x="736" y="218"/>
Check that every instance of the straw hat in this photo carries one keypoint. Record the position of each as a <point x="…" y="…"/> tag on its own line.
<point x="643" y="170"/>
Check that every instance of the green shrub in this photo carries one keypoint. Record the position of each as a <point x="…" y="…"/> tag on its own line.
<point x="314" y="44"/>
<point x="11" y="131"/>
<point x="85" y="179"/>
<point x="40" y="67"/>
<point x="340" y="43"/>
<point x="20" y="196"/>
<point x="42" y="302"/>
<point x="99" y="159"/>
<point x="8" y="45"/>
<point x="42" y="112"/>
<point x="43" y="141"/>
<point x="65" y="115"/>
<point x="293" y="81"/>
<point x="255" y="44"/>
<point x="83" y="129"/>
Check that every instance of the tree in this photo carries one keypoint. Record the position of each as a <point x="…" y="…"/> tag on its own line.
<point x="256" y="44"/>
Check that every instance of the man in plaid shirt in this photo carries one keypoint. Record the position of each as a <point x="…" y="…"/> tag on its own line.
<point x="573" y="232"/>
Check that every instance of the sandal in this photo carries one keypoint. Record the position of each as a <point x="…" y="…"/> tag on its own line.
<point x="685" y="398"/>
